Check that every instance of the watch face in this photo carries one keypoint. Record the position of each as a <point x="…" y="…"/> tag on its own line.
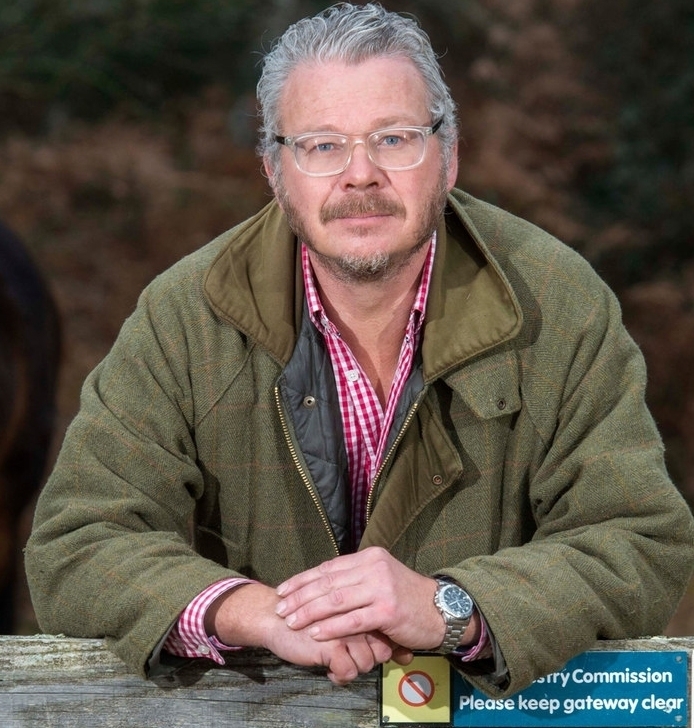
<point x="456" y="601"/>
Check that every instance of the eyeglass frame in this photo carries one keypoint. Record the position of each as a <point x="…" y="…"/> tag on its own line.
<point x="291" y="141"/>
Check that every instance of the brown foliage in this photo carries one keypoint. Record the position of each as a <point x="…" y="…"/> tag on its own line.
<point x="106" y="207"/>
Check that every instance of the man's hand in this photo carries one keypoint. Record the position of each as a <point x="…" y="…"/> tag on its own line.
<point x="246" y="617"/>
<point x="364" y="593"/>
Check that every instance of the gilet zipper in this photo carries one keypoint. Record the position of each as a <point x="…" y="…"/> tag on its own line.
<point x="302" y="473"/>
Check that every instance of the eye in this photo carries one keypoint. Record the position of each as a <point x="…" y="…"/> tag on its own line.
<point x="393" y="139"/>
<point x="321" y="145"/>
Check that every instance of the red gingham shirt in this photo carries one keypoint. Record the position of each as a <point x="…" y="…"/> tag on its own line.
<point x="366" y="425"/>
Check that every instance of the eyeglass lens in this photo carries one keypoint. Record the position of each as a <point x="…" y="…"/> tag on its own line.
<point x="389" y="149"/>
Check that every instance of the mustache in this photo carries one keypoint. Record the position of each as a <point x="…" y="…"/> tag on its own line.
<point x="368" y="204"/>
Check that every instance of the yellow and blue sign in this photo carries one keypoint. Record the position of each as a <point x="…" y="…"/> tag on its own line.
<point x="597" y="689"/>
<point x="417" y="693"/>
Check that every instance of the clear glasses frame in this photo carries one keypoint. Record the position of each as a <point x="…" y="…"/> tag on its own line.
<point x="346" y="143"/>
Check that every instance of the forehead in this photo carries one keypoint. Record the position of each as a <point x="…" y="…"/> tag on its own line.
<point x="353" y="98"/>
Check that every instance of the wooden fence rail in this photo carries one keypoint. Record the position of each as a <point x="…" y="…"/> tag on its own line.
<point x="60" y="682"/>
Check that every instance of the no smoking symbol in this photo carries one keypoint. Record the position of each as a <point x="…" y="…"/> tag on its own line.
<point x="416" y="688"/>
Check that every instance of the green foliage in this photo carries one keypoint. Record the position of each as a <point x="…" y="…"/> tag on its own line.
<point x="457" y="28"/>
<point x="83" y="58"/>
<point x="642" y="56"/>
<point x="89" y="55"/>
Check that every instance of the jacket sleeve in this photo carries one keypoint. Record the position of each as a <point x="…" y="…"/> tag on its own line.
<point x="111" y="551"/>
<point x="611" y="550"/>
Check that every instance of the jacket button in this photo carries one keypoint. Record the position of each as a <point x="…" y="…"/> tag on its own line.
<point x="437" y="480"/>
<point x="309" y="401"/>
<point x="501" y="404"/>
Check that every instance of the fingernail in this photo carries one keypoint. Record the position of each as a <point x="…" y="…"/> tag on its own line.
<point x="281" y="608"/>
<point x="291" y="619"/>
<point x="313" y="631"/>
<point x="281" y="589"/>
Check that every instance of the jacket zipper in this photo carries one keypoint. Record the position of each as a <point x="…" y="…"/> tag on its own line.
<point x="405" y="425"/>
<point x="302" y="472"/>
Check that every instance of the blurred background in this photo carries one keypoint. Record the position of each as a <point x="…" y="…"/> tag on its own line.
<point x="127" y="132"/>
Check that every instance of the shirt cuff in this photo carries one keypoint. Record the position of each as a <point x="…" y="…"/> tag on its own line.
<point x="479" y="651"/>
<point x="188" y="638"/>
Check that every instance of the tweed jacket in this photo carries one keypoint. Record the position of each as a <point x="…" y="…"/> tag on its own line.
<point x="525" y="466"/>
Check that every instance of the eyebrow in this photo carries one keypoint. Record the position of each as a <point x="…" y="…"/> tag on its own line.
<point x="384" y="123"/>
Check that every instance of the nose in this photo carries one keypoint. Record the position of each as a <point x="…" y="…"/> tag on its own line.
<point x="361" y="170"/>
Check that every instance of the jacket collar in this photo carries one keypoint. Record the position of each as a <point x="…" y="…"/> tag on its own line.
<point x="472" y="306"/>
<point x="255" y="283"/>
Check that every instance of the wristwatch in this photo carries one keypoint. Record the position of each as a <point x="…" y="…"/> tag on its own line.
<point x="456" y="607"/>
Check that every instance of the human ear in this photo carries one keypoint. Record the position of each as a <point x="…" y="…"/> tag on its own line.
<point x="269" y="172"/>
<point x="452" y="174"/>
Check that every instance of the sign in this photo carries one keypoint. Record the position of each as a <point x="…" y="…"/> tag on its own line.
<point x="416" y="688"/>
<point x="416" y="693"/>
<point x="595" y="689"/>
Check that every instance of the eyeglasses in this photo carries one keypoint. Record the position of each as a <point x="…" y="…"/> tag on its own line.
<point x="323" y="154"/>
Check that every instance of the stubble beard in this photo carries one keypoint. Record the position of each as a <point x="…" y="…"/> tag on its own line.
<point x="373" y="267"/>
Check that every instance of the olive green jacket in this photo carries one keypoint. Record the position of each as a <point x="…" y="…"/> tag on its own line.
<point x="526" y="467"/>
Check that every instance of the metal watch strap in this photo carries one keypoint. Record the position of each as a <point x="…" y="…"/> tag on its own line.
<point x="451" y="640"/>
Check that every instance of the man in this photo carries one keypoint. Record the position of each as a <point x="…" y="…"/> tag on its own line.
<point x="380" y="416"/>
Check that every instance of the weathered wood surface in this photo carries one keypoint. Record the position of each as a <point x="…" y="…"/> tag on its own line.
<point x="62" y="682"/>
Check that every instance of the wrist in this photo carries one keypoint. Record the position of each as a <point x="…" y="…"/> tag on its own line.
<point x="244" y="617"/>
<point x="456" y="609"/>
<point x="473" y="631"/>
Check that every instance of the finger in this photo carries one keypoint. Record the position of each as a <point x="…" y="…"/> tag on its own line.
<point x="347" y="562"/>
<point x="338" y="613"/>
<point x="342" y="626"/>
<point x="365" y="652"/>
<point x="329" y="596"/>
<point x="402" y="655"/>
<point x="381" y="646"/>
<point x="312" y="589"/>
<point x="341" y="666"/>
<point x="299" y="581"/>
<point x="361" y="653"/>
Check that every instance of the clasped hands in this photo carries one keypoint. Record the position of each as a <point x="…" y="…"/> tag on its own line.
<point x="348" y="614"/>
<point x="365" y="608"/>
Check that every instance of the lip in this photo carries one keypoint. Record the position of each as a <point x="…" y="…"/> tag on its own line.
<point x="363" y="224"/>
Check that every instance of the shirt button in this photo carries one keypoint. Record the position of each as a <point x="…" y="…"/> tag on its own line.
<point x="203" y="649"/>
<point x="352" y="375"/>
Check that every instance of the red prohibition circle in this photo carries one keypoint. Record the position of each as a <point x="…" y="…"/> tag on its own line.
<point x="416" y="688"/>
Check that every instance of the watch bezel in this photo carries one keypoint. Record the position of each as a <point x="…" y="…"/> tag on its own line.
<point x="445" y="585"/>
<point x="449" y="588"/>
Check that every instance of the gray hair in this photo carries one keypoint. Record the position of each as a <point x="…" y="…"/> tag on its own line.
<point x="351" y="34"/>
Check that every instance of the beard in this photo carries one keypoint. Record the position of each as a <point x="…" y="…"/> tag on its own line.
<point x="378" y="265"/>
